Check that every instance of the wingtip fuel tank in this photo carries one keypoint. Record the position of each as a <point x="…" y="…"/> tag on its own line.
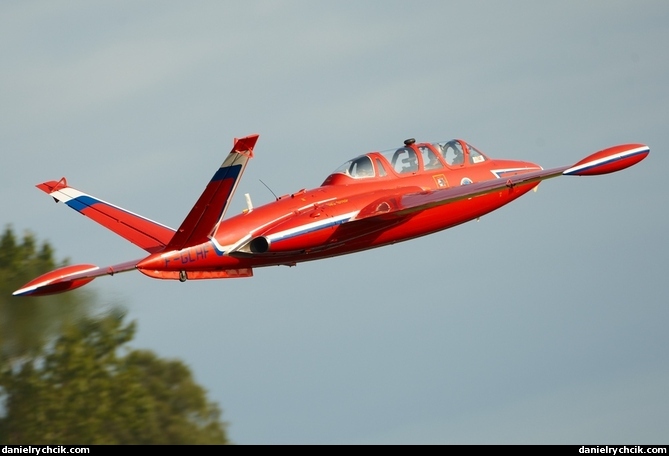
<point x="609" y="160"/>
<point x="58" y="281"/>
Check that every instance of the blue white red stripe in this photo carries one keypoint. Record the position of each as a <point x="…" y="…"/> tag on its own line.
<point x="606" y="160"/>
<point x="79" y="201"/>
<point x="311" y="227"/>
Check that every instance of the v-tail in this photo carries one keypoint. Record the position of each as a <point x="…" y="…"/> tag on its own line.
<point x="151" y="236"/>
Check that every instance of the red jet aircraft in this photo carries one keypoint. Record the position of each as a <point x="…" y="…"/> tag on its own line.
<point x="373" y="200"/>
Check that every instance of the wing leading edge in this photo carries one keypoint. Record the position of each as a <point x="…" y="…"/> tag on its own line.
<point x="603" y="162"/>
<point x="394" y="208"/>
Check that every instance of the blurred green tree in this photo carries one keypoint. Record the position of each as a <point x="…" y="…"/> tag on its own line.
<point x="69" y="378"/>
<point x="26" y="324"/>
<point x="82" y="391"/>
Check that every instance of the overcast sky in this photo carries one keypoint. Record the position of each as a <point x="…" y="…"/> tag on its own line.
<point x="544" y="322"/>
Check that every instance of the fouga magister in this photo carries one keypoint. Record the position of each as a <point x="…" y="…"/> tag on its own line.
<point x="370" y="201"/>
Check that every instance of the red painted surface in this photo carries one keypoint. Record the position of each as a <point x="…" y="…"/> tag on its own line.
<point x="350" y="212"/>
<point x="58" y="280"/>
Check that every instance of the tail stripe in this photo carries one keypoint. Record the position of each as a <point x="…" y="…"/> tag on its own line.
<point x="201" y="222"/>
<point x="145" y="233"/>
<point x="230" y="172"/>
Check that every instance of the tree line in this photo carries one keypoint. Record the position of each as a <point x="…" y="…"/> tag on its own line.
<point x="67" y="375"/>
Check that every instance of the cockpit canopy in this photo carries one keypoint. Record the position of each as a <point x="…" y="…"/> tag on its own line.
<point x="410" y="159"/>
<point x="358" y="168"/>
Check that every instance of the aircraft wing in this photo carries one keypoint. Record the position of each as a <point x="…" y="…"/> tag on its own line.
<point x="605" y="161"/>
<point x="395" y="206"/>
<point x="401" y="205"/>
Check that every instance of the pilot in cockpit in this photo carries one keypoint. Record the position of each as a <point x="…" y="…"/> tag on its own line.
<point x="458" y="158"/>
<point x="452" y="153"/>
<point x="410" y="163"/>
<point x="362" y="167"/>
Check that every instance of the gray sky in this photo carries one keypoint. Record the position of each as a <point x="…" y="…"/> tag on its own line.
<point x="545" y="322"/>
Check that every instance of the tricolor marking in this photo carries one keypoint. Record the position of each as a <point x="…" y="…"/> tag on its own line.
<point x="601" y="162"/>
<point x="310" y="227"/>
<point x="80" y="201"/>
